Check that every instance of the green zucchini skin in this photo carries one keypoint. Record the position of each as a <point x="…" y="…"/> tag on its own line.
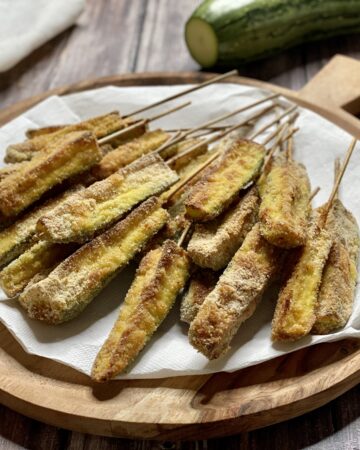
<point x="246" y="30"/>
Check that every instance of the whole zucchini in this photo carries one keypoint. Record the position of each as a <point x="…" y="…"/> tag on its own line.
<point x="229" y="32"/>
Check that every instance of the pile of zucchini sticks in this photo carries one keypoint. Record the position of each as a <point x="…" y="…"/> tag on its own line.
<point x="212" y="216"/>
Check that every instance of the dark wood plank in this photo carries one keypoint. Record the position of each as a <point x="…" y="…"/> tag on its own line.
<point x="162" y="45"/>
<point x="104" y="42"/>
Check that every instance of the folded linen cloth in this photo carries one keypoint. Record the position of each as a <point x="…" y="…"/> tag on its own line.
<point x="27" y="24"/>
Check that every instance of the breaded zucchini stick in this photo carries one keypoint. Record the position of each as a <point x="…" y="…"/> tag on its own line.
<point x="127" y="153"/>
<point x="336" y="295"/>
<point x="32" y="265"/>
<point x="216" y="190"/>
<point x="35" y="132"/>
<point x="202" y="282"/>
<point x="10" y="169"/>
<point x="76" y="281"/>
<point x="100" y="126"/>
<point x="47" y="169"/>
<point x="97" y="207"/>
<point x="127" y="135"/>
<point x="179" y="161"/>
<point x="285" y="203"/>
<point x="162" y="274"/>
<point x="214" y="243"/>
<point x="15" y="239"/>
<point x="235" y="296"/>
<point x="295" y="309"/>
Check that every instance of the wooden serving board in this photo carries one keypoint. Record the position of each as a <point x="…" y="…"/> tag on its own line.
<point x="192" y="407"/>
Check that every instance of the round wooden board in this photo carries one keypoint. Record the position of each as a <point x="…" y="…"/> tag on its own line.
<point x="191" y="407"/>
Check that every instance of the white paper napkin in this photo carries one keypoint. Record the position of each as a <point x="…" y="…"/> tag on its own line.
<point x="27" y="24"/>
<point x="76" y="343"/>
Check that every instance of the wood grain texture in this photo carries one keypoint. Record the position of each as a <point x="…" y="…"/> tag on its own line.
<point x="124" y="48"/>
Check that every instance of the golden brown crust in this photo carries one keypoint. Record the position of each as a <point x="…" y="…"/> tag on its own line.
<point x="32" y="265"/>
<point x="217" y="189"/>
<point x="15" y="239"/>
<point x="35" y="132"/>
<point x="285" y="203"/>
<point x="295" y="309"/>
<point x="129" y="152"/>
<point x="159" y="279"/>
<point x="180" y="161"/>
<point x="336" y="295"/>
<point x="235" y="296"/>
<point x="100" y="126"/>
<point x="77" y="280"/>
<point x="9" y="169"/>
<point x="202" y="282"/>
<point x="48" y="169"/>
<point x="214" y="243"/>
<point x="130" y="134"/>
<point x="85" y="214"/>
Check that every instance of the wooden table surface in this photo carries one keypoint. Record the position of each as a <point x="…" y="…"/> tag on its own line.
<point x="119" y="36"/>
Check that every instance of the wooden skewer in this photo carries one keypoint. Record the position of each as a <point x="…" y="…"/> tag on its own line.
<point x="184" y="234"/>
<point x="112" y="136"/>
<point x="169" y="142"/>
<point x="223" y="133"/>
<point x="281" y="130"/>
<point x="273" y="122"/>
<point x="223" y="117"/>
<point x="314" y="194"/>
<point x="186" y="91"/>
<point x="338" y="181"/>
<point x="171" y="192"/>
<point x="337" y="167"/>
<point x="276" y="146"/>
<point x="273" y="134"/>
<point x="210" y="129"/>
<point x="289" y="149"/>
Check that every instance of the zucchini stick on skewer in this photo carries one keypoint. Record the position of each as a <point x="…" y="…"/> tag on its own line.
<point x="211" y="195"/>
<point x="22" y="188"/>
<point x="18" y="237"/>
<point x="336" y="295"/>
<point x="214" y="243"/>
<point x="235" y="296"/>
<point x="294" y="315"/>
<point x="129" y="152"/>
<point x="85" y="214"/>
<point x="100" y="126"/>
<point x="72" y="285"/>
<point x="161" y="276"/>
<point x="32" y="265"/>
<point x="285" y="202"/>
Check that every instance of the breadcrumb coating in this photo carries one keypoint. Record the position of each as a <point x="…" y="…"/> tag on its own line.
<point x="162" y="274"/>
<point x="202" y="282"/>
<point x="295" y="309"/>
<point x="97" y="207"/>
<point x="22" y="188"/>
<point x="235" y="296"/>
<point x="285" y="203"/>
<point x="73" y="284"/>
<point x="337" y="290"/>
<point x="218" y="188"/>
<point x="100" y="126"/>
<point x="214" y="243"/>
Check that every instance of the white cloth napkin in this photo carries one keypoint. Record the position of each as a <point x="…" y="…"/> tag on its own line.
<point x="27" y="24"/>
